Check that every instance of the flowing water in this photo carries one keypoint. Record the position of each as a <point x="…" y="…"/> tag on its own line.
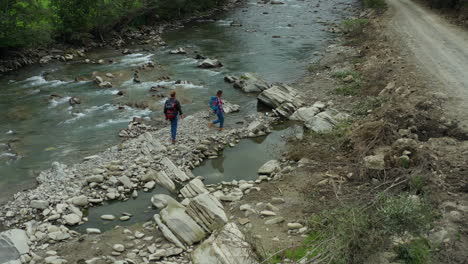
<point x="36" y="130"/>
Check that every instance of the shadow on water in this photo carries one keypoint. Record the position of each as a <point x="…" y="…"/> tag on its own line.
<point x="239" y="163"/>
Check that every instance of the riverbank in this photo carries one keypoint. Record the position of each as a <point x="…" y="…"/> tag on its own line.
<point x="386" y="186"/>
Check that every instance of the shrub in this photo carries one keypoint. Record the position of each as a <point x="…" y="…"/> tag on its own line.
<point x="349" y="89"/>
<point x="377" y="4"/>
<point x="354" y="27"/>
<point x="351" y="234"/>
<point x="415" y="252"/>
<point x="365" y="106"/>
<point x="405" y="213"/>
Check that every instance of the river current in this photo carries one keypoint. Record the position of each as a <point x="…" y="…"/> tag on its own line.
<point x="275" y="41"/>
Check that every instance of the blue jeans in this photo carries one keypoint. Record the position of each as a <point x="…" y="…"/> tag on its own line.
<point x="174" y="128"/>
<point x="220" y="119"/>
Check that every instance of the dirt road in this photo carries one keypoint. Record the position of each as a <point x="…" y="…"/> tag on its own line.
<point x="439" y="48"/>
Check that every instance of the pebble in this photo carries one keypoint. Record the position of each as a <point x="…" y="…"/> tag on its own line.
<point x="267" y="213"/>
<point x="293" y="226"/>
<point x="119" y="247"/>
<point x="93" y="231"/>
<point x="108" y="217"/>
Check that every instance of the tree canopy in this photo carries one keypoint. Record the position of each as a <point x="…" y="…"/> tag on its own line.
<point x="26" y="23"/>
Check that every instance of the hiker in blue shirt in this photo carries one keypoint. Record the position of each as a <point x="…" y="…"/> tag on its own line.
<point x="171" y="110"/>
<point x="216" y="105"/>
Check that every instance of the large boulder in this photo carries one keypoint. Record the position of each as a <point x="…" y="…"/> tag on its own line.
<point x="160" y="201"/>
<point x="282" y="98"/>
<point x="325" y="121"/>
<point x="161" y="178"/>
<point x="173" y="171"/>
<point x="304" y="113"/>
<point x="250" y="83"/>
<point x="210" y="63"/>
<point x="228" y="246"/>
<point x="39" y="204"/>
<point x="193" y="188"/>
<point x="207" y="211"/>
<point x="13" y="244"/>
<point x="151" y="145"/>
<point x="175" y="217"/>
<point x="167" y="233"/>
<point x="270" y="167"/>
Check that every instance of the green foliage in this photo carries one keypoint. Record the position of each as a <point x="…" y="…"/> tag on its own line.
<point x="349" y="89"/>
<point x="344" y="74"/>
<point x="35" y="22"/>
<point x="377" y="4"/>
<point x="350" y="234"/>
<point x="405" y="213"/>
<point x="370" y="103"/>
<point x="417" y="251"/>
<point x="417" y="183"/>
<point x="354" y="27"/>
<point x="24" y="23"/>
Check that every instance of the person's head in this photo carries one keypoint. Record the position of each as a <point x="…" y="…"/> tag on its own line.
<point x="173" y="94"/>
<point x="219" y="93"/>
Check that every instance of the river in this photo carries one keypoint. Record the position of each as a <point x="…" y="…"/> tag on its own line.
<point x="275" y="41"/>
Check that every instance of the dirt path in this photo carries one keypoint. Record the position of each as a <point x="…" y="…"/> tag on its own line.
<point x="439" y="48"/>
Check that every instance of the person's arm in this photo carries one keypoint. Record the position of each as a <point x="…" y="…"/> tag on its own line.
<point x="179" y="108"/>
<point x="165" y="109"/>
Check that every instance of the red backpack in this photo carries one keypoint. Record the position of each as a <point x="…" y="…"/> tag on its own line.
<point x="171" y="109"/>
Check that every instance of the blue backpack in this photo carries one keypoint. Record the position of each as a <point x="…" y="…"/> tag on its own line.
<point x="214" y="103"/>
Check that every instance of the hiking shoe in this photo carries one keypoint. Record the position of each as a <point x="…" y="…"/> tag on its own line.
<point x="173" y="141"/>
<point x="221" y="129"/>
<point x="210" y="124"/>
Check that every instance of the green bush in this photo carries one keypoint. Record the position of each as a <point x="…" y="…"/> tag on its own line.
<point x="405" y="213"/>
<point x="377" y="4"/>
<point x="354" y="27"/>
<point x="417" y="251"/>
<point x="370" y="103"/>
<point x="351" y="234"/>
<point x="349" y="89"/>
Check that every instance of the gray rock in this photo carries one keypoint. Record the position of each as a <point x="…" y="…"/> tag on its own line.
<point x="274" y="221"/>
<point x="162" y="253"/>
<point x="175" y="217"/>
<point x="228" y="246"/>
<point x="118" y="248"/>
<point x="167" y="233"/>
<point x="207" y="211"/>
<point x="127" y="183"/>
<point x="193" y="188"/>
<point x="81" y="200"/>
<point x="151" y="145"/>
<point x="282" y="98"/>
<point x="71" y="219"/>
<point x="108" y="217"/>
<point x="39" y="204"/>
<point x="13" y="244"/>
<point x="251" y="83"/>
<point x="163" y="180"/>
<point x="210" y="63"/>
<point x="173" y="171"/>
<point x="162" y="200"/>
<point x="58" y="235"/>
<point x="95" y="178"/>
<point x="93" y="231"/>
<point x="304" y="113"/>
<point x="270" y="167"/>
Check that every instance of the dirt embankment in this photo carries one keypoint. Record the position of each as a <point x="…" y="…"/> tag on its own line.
<point x="390" y="184"/>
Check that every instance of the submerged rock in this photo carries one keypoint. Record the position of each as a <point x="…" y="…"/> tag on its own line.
<point x="210" y="63"/>
<point x="250" y="83"/>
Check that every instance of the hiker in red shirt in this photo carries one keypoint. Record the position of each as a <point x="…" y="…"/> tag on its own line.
<point x="171" y="110"/>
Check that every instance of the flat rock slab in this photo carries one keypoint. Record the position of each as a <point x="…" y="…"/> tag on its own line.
<point x="13" y="244"/>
